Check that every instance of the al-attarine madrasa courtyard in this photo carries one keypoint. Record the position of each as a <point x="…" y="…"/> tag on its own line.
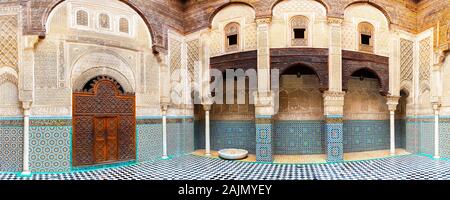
<point x="225" y="89"/>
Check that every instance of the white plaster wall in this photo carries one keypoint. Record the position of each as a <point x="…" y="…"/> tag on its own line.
<point x="242" y="14"/>
<point x="282" y="13"/>
<point x="358" y="13"/>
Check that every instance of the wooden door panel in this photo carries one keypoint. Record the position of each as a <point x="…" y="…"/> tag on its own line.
<point x="99" y="140"/>
<point x="99" y="135"/>
<point x="113" y="154"/>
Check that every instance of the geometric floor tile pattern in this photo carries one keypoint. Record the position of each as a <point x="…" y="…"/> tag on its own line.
<point x="190" y="167"/>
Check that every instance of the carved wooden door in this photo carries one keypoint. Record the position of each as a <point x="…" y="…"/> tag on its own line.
<point x="104" y="124"/>
<point x="105" y="144"/>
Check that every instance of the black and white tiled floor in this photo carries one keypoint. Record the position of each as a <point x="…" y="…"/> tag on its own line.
<point x="410" y="167"/>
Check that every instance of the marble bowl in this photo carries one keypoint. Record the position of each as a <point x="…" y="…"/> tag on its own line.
<point x="233" y="154"/>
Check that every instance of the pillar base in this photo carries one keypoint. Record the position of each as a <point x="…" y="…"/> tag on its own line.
<point x="165" y="157"/>
<point x="208" y="155"/>
<point x="25" y="173"/>
<point x="264" y="151"/>
<point x="437" y="157"/>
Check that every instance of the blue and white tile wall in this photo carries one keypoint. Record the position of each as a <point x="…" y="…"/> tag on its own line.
<point x="11" y="144"/>
<point x="366" y="135"/>
<point x="444" y="139"/>
<point x="400" y="133"/>
<point x="227" y="134"/>
<point x="150" y="144"/>
<point x="299" y="137"/>
<point x="180" y="137"/>
<point x="426" y="138"/>
<point x="334" y="132"/>
<point x="264" y="139"/>
<point x="412" y="136"/>
<point x="50" y="147"/>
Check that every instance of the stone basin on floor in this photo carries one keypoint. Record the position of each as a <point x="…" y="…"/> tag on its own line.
<point x="233" y="154"/>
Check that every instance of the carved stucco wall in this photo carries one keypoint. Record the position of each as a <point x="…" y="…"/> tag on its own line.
<point x="300" y="98"/>
<point x="280" y="32"/>
<point x="446" y="86"/>
<point x="10" y="37"/>
<point x="242" y="14"/>
<point x="70" y="55"/>
<point x="424" y="74"/>
<point x="364" y="102"/>
<point x="357" y="13"/>
<point x="9" y="93"/>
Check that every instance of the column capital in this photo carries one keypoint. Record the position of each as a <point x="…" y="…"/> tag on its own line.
<point x="335" y="20"/>
<point x="392" y="102"/>
<point x="164" y="108"/>
<point x="436" y="106"/>
<point x="263" y="20"/>
<point x="26" y="105"/>
<point x="333" y="102"/>
<point x="30" y="41"/>
<point x="207" y="107"/>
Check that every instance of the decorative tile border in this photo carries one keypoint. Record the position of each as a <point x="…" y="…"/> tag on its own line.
<point x="50" y="122"/>
<point x="148" y="121"/>
<point x="18" y="122"/>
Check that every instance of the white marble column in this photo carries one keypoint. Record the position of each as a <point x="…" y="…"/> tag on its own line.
<point x="436" y="130"/>
<point x="164" y="130"/>
<point x="207" y="108"/>
<point x="392" y="102"/>
<point x="26" y="138"/>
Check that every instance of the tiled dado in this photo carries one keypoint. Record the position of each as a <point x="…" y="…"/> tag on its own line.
<point x="420" y="135"/>
<point x="50" y="145"/>
<point x="334" y="133"/>
<point x="227" y="134"/>
<point x="299" y="137"/>
<point x="264" y="137"/>
<point x="180" y="136"/>
<point x="444" y="137"/>
<point x="11" y="144"/>
<point x="149" y="141"/>
<point x="366" y="135"/>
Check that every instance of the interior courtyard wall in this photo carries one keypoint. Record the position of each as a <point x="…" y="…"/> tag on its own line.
<point x="300" y="120"/>
<point x="280" y="28"/>
<point x="357" y="13"/>
<point x="11" y="122"/>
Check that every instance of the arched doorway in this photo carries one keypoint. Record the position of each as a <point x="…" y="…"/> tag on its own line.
<point x="300" y="120"/>
<point x="366" y="115"/>
<point x="104" y="123"/>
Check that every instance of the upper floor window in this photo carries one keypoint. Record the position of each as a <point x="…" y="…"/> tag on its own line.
<point x="366" y="36"/>
<point x="299" y="31"/>
<point x="82" y="18"/>
<point x="124" y="25"/>
<point x="104" y="21"/>
<point x="232" y="37"/>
